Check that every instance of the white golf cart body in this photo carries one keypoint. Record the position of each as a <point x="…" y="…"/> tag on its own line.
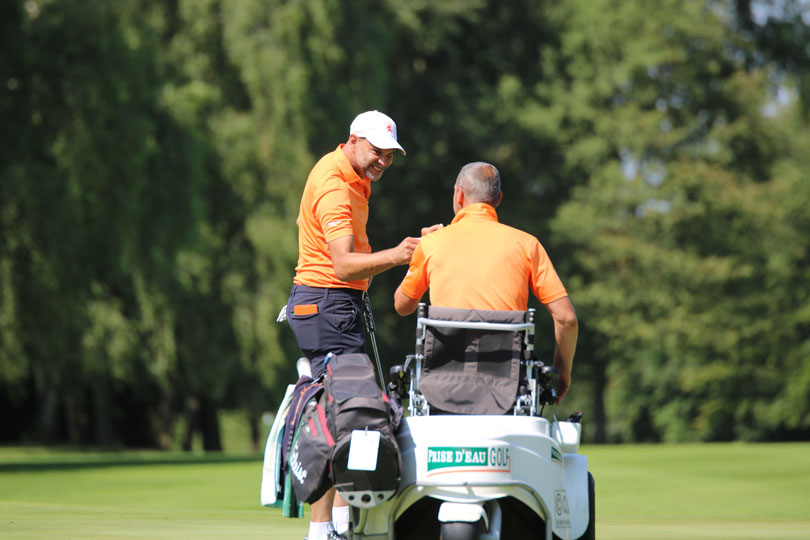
<point x="475" y="475"/>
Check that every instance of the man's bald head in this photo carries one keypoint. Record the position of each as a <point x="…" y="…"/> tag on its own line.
<point x="480" y="182"/>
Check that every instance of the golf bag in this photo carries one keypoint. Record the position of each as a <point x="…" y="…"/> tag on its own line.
<point x="309" y="453"/>
<point x="365" y="459"/>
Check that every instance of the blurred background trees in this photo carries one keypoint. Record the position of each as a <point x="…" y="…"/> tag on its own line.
<point x="153" y="155"/>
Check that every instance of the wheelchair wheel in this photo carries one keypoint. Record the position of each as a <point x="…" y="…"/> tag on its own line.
<point x="460" y="530"/>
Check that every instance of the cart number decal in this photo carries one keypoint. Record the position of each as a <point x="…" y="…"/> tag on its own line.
<point x="471" y="459"/>
<point x="563" y="517"/>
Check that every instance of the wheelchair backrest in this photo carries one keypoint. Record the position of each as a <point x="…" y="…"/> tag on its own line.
<point x="471" y="358"/>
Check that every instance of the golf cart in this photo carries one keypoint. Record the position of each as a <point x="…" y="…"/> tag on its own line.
<point x="479" y="461"/>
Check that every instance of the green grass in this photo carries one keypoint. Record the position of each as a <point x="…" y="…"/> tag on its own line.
<point x="720" y="491"/>
<point x="723" y="491"/>
<point x="143" y="495"/>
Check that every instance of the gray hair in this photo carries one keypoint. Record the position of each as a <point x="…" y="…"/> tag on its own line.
<point x="480" y="182"/>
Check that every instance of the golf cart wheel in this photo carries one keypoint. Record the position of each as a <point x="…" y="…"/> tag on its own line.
<point x="590" y="532"/>
<point x="461" y="530"/>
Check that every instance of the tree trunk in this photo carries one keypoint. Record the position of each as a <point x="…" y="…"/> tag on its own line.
<point x="71" y="410"/>
<point x="163" y="421"/>
<point x="47" y="416"/>
<point x="600" y="422"/>
<point x="192" y="422"/>
<point x="102" y="421"/>
<point x="255" y="432"/>
<point x="212" y="441"/>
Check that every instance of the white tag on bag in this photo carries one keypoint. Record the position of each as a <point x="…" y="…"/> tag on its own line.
<point x="363" y="450"/>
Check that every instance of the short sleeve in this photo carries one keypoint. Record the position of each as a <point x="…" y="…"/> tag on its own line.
<point x="333" y="210"/>
<point x="415" y="282"/>
<point x="546" y="284"/>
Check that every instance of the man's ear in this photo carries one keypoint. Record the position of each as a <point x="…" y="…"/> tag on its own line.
<point x="458" y="197"/>
<point x="500" y="198"/>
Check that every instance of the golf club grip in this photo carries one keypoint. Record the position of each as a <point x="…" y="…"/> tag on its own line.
<point x="369" y="316"/>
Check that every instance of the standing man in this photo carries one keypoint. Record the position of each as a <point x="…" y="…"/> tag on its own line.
<point x="335" y="263"/>
<point x="478" y="263"/>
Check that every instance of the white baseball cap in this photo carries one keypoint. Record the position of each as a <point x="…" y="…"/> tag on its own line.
<point x="378" y="129"/>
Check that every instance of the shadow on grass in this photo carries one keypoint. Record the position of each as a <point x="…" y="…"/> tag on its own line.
<point x="121" y="459"/>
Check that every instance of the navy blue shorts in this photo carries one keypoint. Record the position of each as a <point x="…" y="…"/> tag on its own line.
<point x="326" y="320"/>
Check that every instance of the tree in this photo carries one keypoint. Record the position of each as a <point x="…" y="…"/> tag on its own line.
<point x="90" y="225"/>
<point x="154" y="155"/>
<point x="670" y="233"/>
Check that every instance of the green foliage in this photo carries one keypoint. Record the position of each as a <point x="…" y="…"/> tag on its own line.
<point x="154" y="154"/>
<point x="675" y="232"/>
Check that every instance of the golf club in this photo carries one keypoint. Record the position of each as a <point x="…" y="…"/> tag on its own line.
<point x="370" y="330"/>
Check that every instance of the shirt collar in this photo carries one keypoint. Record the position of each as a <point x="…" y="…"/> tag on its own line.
<point x="347" y="172"/>
<point x="477" y="212"/>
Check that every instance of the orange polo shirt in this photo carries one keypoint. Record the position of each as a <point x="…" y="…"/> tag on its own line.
<point x="478" y="263"/>
<point x="334" y="204"/>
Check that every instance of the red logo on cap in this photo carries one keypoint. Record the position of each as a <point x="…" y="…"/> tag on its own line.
<point x="390" y="129"/>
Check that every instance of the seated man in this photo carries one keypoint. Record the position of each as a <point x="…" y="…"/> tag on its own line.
<point x="478" y="263"/>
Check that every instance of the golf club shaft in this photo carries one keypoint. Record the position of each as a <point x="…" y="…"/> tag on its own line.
<point x="370" y="329"/>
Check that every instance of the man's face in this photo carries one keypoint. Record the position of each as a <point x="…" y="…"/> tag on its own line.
<point x="369" y="161"/>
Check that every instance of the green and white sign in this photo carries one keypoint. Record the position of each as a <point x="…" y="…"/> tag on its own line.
<point x="441" y="459"/>
<point x="556" y="456"/>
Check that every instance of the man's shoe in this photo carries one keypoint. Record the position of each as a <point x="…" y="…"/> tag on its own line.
<point x="335" y="536"/>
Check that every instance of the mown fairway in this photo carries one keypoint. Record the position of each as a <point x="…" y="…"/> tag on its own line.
<point x="728" y="491"/>
<point x="721" y="491"/>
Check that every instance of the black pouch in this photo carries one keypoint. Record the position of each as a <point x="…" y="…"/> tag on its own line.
<point x="310" y="453"/>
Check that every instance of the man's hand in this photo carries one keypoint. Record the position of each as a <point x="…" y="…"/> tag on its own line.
<point x="563" y="384"/>
<point x="433" y="228"/>
<point x="403" y="252"/>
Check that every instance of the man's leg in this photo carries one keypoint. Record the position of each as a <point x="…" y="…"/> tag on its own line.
<point x="339" y="329"/>
<point x="340" y="514"/>
<point x="324" y="512"/>
<point x="321" y="518"/>
<point x="345" y="333"/>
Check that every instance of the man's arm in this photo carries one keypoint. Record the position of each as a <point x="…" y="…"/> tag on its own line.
<point x="404" y="304"/>
<point x="350" y="266"/>
<point x="415" y="281"/>
<point x="566" y="331"/>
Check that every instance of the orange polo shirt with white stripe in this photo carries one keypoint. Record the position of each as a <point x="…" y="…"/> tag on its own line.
<point x="478" y="263"/>
<point x="334" y="204"/>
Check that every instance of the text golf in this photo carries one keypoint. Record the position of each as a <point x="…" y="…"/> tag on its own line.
<point x="485" y="459"/>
